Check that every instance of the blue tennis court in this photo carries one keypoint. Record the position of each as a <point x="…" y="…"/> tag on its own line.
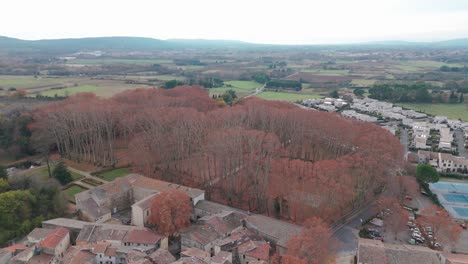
<point x="455" y="198"/>
<point x="457" y="187"/>
<point x="461" y="211"/>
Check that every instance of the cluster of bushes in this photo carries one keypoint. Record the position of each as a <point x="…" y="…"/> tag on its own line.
<point x="418" y="92"/>
<point x="283" y="84"/>
<point x="24" y="204"/>
<point x="453" y="69"/>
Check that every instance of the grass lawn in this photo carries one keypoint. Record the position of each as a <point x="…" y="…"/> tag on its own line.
<point x="242" y="88"/>
<point x="43" y="175"/>
<point x="119" y="61"/>
<point x="71" y="90"/>
<point x="71" y="191"/>
<point x="290" y="97"/>
<point x="244" y="84"/>
<point x="452" y="111"/>
<point x="113" y="174"/>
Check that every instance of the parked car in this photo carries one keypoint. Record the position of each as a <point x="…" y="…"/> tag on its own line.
<point x="409" y="198"/>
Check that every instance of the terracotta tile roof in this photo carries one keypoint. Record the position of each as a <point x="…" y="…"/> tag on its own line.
<point x="15" y="248"/>
<point x="142" y="236"/>
<point x="162" y="256"/>
<point x="224" y="222"/>
<point x="160" y="186"/>
<point x="222" y="257"/>
<point x="77" y="255"/>
<point x="256" y="249"/>
<point x="375" y="252"/>
<point x="200" y="233"/>
<point x="100" y="247"/>
<point x="111" y="252"/>
<point x="190" y="260"/>
<point x="456" y="258"/>
<point x="281" y="231"/>
<point x="196" y="253"/>
<point x="23" y="256"/>
<point x="54" y="238"/>
<point x="5" y="254"/>
<point x="98" y="233"/>
<point x="39" y="233"/>
<point x="136" y="257"/>
<point x="40" y="259"/>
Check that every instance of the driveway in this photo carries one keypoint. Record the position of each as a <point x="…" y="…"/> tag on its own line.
<point x="348" y="234"/>
<point x="460" y="140"/>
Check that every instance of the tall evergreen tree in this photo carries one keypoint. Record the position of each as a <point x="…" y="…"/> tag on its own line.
<point x="62" y="174"/>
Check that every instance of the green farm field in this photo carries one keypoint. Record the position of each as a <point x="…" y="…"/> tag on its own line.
<point x="101" y="91"/>
<point x="242" y="88"/>
<point x="26" y="82"/>
<point x="326" y="72"/>
<point x="453" y="111"/>
<point x="363" y="82"/>
<point x="119" y="61"/>
<point x="290" y="97"/>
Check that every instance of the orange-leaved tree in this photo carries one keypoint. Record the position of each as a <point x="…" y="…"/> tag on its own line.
<point x="446" y="231"/>
<point x="170" y="211"/>
<point x="312" y="245"/>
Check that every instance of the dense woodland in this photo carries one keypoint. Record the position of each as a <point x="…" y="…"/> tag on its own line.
<point x="263" y="156"/>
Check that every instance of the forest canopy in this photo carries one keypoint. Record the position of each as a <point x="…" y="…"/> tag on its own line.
<point x="241" y="155"/>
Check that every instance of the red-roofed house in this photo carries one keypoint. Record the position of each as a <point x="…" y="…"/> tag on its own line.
<point x="254" y="251"/>
<point x="56" y="243"/>
<point x="15" y="249"/>
<point x="142" y="237"/>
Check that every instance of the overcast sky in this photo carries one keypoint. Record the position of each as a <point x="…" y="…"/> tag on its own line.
<point x="258" y="21"/>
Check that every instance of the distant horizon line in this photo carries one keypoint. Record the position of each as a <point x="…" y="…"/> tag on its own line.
<point x="389" y="41"/>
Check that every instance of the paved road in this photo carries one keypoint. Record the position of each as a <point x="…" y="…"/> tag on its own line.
<point x="257" y="91"/>
<point x="86" y="174"/>
<point x="404" y="139"/>
<point x="347" y="234"/>
<point x="460" y="139"/>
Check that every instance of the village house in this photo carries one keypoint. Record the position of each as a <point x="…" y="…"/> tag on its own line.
<point x="272" y="230"/>
<point x="376" y="252"/>
<point x="5" y="256"/>
<point x="49" y="249"/>
<point x="358" y="116"/>
<point x="78" y="255"/>
<point x="446" y="139"/>
<point x="444" y="162"/>
<point x="56" y="243"/>
<point x="130" y="192"/>
<point x="112" y="243"/>
<point x="208" y="229"/>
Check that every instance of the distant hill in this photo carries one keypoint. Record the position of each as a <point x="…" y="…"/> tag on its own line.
<point x="111" y="43"/>
<point x="71" y="45"/>
<point x="454" y="43"/>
